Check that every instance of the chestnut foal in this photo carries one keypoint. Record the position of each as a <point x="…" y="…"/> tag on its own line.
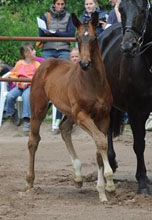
<point x="82" y="93"/>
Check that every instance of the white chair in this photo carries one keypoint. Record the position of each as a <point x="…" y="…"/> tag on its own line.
<point x="3" y="95"/>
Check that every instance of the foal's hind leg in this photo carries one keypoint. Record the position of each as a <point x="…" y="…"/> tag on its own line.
<point x="66" y="129"/>
<point x="88" y="124"/>
<point x="38" y="113"/>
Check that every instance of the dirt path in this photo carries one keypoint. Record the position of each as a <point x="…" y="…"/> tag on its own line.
<point x="54" y="196"/>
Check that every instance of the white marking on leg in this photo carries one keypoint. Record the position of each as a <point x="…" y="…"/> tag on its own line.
<point x="101" y="186"/>
<point x="77" y="169"/>
<point x="108" y="173"/>
<point x="54" y="111"/>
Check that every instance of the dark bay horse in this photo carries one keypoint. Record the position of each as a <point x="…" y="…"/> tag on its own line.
<point x="126" y="49"/>
<point x="83" y="94"/>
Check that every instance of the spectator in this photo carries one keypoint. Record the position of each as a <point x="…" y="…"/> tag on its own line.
<point x="74" y="55"/>
<point x="38" y="59"/>
<point x="90" y="7"/>
<point x="114" y="16"/>
<point x="60" y="25"/>
<point x="24" y="68"/>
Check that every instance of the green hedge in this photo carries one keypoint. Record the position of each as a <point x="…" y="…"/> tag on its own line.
<point x="18" y="18"/>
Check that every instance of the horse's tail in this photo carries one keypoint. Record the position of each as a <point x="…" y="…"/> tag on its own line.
<point x="117" y="125"/>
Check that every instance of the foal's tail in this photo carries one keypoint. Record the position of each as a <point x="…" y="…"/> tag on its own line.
<point x="116" y="125"/>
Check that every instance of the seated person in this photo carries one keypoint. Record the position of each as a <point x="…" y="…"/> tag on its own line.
<point x="24" y="68"/>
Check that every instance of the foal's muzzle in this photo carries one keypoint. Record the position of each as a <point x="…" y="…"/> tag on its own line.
<point x="85" y="66"/>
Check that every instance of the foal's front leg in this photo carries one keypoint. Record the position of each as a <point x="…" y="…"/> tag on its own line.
<point x="66" y="130"/>
<point x="88" y="125"/>
<point x="36" y="119"/>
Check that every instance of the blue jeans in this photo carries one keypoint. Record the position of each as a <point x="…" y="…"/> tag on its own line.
<point x="11" y="99"/>
<point x="61" y="54"/>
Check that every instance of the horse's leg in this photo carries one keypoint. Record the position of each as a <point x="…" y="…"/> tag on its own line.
<point x="111" y="152"/>
<point x="38" y="112"/>
<point x="100" y="182"/>
<point x="115" y="129"/>
<point x="66" y="126"/>
<point x="137" y="122"/>
<point x="88" y="125"/>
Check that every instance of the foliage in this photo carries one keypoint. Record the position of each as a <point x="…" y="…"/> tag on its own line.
<point x="18" y="18"/>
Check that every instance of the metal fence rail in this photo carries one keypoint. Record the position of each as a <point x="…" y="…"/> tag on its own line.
<point x="44" y="39"/>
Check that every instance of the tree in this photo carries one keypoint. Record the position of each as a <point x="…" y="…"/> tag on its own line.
<point x="18" y="18"/>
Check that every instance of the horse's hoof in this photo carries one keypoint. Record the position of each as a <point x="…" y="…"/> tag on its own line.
<point x="29" y="182"/>
<point x="27" y="188"/>
<point x="110" y="188"/>
<point x="78" y="185"/>
<point x="144" y="191"/>
<point x="102" y="197"/>
<point x="78" y="181"/>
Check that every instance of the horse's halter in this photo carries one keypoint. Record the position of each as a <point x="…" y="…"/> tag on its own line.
<point x="139" y="35"/>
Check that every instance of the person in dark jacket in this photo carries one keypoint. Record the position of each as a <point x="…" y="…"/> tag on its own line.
<point x="60" y="25"/>
<point x="114" y="16"/>
<point x="90" y="7"/>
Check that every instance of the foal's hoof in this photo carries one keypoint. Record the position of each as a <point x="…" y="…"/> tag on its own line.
<point x="28" y="187"/>
<point x="103" y="198"/>
<point x="110" y="188"/>
<point x="78" y="181"/>
<point x="29" y="182"/>
<point x="144" y="191"/>
<point x="78" y="185"/>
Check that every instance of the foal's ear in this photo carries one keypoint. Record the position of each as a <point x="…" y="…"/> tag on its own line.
<point x="94" y="19"/>
<point x="75" y="20"/>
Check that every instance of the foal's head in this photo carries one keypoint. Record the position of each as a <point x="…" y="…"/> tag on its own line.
<point x="134" y="16"/>
<point x="86" y="38"/>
